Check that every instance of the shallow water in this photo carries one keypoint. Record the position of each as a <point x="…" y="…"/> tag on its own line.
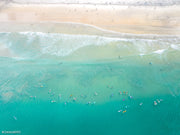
<point x="44" y="90"/>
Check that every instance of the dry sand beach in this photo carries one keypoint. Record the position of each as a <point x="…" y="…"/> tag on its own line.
<point x="140" y="19"/>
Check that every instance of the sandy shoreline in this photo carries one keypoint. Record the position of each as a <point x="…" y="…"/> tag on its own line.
<point x="123" y="19"/>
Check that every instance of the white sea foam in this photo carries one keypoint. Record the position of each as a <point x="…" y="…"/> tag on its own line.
<point x="159" y="51"/>
<point x="176" y="47"/>
<point x="35" y="44"/>
<point x="141" y="54"/>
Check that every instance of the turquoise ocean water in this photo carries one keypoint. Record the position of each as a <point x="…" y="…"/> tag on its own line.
<point x="58" y="84"/>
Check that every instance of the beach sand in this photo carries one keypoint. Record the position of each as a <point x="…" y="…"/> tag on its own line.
<point x="112" y="18"/>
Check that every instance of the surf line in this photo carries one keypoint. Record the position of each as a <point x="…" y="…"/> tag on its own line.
<point x="105" y="30"/>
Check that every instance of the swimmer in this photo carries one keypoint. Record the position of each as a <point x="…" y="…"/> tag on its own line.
<point x="119" y="111"/>
<point x="74" y="99"/>
<point x="49" y="91"/>
<point x="33" y="97"/>
<point x="158" y="100"/>
<point x="59" y="96"/>
<point x="155" y="103"/>
<point x="95" y="93"/>
<point x="93" y="103"/>
<point x="123" y="99"/>
<point x="85" y="96"/>
<point x="124" y="111"/>
<point x="53" y="101"/>
<point x="112" y="95"/>
<point x="141" y="104"/>
<point x="70" y="96"/>
<point x="130" y="97"/>
<point x="15" y="118"/>
<point x="124" y="92"/>
<point x="52" y="94"/>
<point x="120" y="93"/>
<point x="89" y="103"/>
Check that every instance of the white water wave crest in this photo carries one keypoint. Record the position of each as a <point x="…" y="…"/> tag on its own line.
<point x="38" y="44"/>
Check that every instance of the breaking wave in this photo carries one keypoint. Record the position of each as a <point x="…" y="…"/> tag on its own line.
<point x="38" y="44"/>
